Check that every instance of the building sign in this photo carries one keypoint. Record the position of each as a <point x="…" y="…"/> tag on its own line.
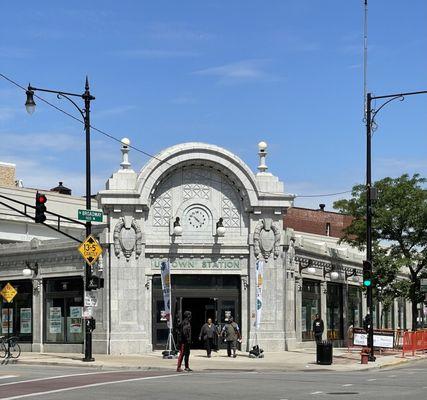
<point x="90" y="215"/>
<point x="200" y="264"/>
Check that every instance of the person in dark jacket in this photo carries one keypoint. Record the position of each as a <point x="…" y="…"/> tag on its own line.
<point x="231" y="334"/>
<point x="184" y="342"/>
<point x="318" y="328"/>
<point x="207" y="334"/>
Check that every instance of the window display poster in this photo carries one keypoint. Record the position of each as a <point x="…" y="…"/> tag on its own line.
<point x="25" y="320"/>
<point x="6" y="315"/>
<point x="75" y="312"/>
<point x="75" y="319"/>
<point x="304" y="319"/>
<point x="55" y="317"/>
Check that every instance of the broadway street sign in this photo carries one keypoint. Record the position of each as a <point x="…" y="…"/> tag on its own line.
<point x="90" y="215"/>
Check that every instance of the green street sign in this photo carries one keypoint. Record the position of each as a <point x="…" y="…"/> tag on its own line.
<point x="90" y="215"/>
<point x="423" y="285"/>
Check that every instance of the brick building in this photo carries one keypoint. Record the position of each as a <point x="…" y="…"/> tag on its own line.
<point x="318" y="222"/>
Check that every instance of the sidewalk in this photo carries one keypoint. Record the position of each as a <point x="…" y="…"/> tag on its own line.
<point x="301" y="360"/>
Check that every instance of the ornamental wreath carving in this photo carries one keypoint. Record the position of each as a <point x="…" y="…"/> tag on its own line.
<point x="266" y="239"/>
<point x="127" y="238"/>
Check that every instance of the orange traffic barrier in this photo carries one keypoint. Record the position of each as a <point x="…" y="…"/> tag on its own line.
<point x="408" y="343"/>
<point x="414" y="341"/>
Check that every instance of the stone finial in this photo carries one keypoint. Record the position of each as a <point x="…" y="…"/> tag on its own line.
<point x="262" y="152"/>
<point x="125" y="164"/>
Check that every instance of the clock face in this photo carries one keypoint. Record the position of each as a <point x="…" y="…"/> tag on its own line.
<point x="197" y="218"/>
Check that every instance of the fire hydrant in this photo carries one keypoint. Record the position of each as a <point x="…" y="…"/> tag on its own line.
<point x="364" y="355"/>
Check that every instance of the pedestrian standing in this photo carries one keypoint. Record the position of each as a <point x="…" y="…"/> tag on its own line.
<point x="207" y="334"/>
<point x="185" y="342"/>
<point x="318" y="328"/>
<point x="231" y="333"/>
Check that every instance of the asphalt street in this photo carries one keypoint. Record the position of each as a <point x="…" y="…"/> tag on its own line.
<point x="49" y="382"/>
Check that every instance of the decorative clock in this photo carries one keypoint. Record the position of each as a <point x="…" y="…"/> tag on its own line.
<point x="197" y="218"/>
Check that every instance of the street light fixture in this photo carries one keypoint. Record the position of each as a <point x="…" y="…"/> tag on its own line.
<point x="30" y="271"/>
<point x="371" y="192"/>
<point x="30" y="105"/>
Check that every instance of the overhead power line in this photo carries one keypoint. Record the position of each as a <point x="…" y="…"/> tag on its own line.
<point x="114" y="138"/>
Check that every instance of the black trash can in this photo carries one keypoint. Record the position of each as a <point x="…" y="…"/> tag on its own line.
<point x="324" y="353"/>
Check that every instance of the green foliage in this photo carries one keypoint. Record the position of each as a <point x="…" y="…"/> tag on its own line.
<point x="399" y="233"/>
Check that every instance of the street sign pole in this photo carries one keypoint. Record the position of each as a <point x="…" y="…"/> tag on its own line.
<point x="8" y="331"/>
<point x="87" y="98"/>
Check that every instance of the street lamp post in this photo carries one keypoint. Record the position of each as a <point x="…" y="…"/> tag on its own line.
<point x="371" y="193"/>
<point x="85" y="113"/>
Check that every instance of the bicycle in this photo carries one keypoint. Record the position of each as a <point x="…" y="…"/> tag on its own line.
<point x="10" y="344"/>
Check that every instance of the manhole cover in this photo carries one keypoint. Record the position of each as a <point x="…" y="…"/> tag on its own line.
<point x="343" y="393"/>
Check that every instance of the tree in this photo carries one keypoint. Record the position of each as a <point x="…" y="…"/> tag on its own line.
<point x="399" y="233"/>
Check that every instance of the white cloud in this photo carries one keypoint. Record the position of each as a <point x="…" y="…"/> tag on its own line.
<point x="241" y="71"/>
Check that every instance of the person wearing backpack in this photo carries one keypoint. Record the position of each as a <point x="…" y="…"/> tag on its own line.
<point x="231" y="333"/>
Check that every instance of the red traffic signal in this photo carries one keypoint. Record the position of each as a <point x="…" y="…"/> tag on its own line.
<point x="41" y="200"/>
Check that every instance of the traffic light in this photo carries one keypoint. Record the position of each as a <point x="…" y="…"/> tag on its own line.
<point x="367" y="273"/>
<point x="40" y="208"/>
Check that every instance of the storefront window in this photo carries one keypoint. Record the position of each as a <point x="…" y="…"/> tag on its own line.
<point x="375" y="314"/>
<point x="354" y="311"/>
<point x="63" y="310"/>
<point x="401" y="311"/>
<point x="16" y="317"/>
<point x="310" y="306"/>
<point x="388" y="317"/>
<point x="334" y="308"/>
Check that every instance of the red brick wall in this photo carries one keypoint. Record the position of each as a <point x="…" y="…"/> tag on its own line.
<point x="315" y="221"/>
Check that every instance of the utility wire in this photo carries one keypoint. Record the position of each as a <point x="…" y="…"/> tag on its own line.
<point x="110" y="136"/>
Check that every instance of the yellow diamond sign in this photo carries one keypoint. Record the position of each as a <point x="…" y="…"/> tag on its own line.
<point x="8" y="292"/>
<point x="90" y="249"/>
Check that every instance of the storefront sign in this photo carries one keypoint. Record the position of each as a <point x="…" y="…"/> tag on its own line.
<point x="55" y="320"/>
<point x="25" y="320"/>
<point x="75" y="319"/>
<point x="199" y="263"/>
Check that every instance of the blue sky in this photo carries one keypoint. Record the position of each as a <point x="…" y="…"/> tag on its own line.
<point x="230" y="73"/>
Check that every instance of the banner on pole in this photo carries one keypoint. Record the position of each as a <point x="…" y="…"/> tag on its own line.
<point x="259" y="276"/>
<point x="166" y="288"/>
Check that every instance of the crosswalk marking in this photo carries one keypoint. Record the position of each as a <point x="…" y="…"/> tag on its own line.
<point x="8" y="376"/>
